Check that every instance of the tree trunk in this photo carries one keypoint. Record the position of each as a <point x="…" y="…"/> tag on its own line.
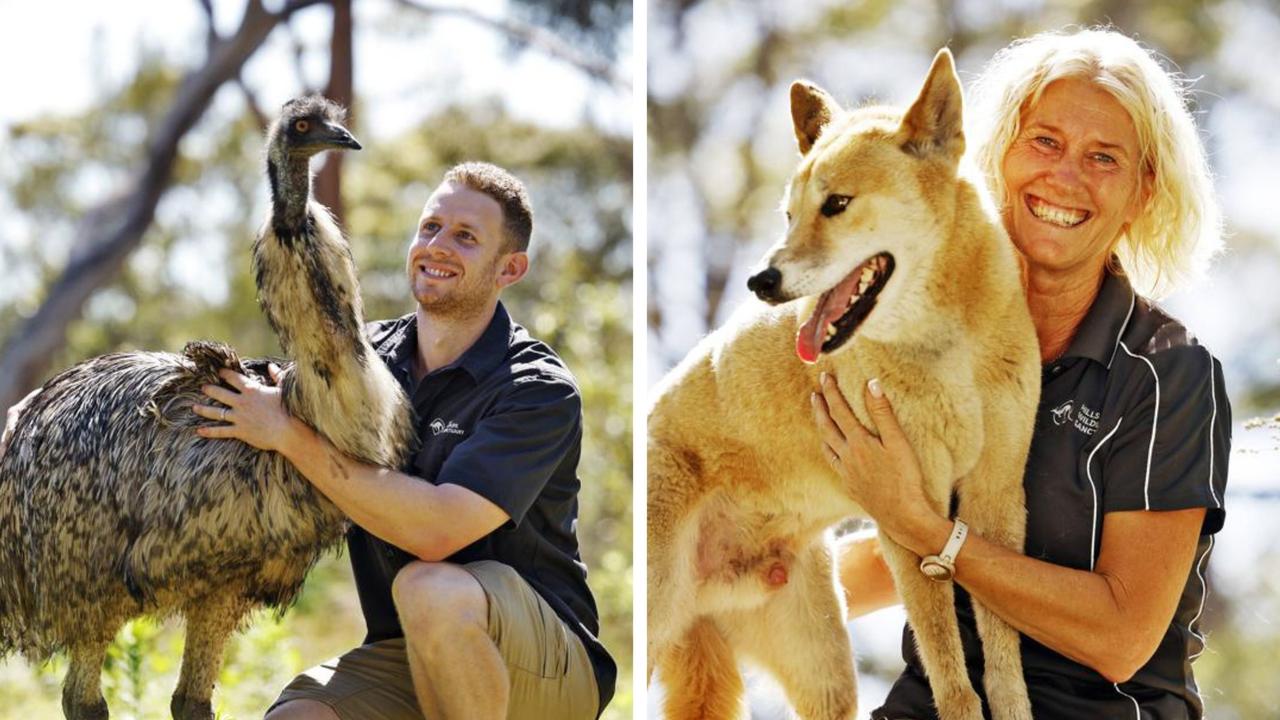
<point x="341" y="90"/>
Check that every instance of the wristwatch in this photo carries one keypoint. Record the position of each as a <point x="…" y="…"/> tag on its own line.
<point x="942" y="567"/>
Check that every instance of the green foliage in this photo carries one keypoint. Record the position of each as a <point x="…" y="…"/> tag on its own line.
<point x="190" y="279"/>
<point x="124" y="681"/>
<point x="593" y="22"/>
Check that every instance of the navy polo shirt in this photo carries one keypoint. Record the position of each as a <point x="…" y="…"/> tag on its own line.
<point x="504" y="421"/>
<point x="1134" y="416"/>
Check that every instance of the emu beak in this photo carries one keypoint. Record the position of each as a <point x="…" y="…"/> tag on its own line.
<point x="337" y="136"/>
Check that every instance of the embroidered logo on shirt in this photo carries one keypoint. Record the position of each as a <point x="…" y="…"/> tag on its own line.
<point x="439" y="426"/>
<point x="1062" y="413"/>
<point x="1082" y="418"/>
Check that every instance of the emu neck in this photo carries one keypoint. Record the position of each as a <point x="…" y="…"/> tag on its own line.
<point x="290" y="178"/>
<point x="306" y="281"/>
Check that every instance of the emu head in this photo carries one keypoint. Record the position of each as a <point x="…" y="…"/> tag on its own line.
<point x="308" y="125"/>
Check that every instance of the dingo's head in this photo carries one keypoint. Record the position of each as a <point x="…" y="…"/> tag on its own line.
<point x="869" y="200"/>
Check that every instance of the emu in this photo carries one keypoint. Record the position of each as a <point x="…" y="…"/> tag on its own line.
<point x="111" y="506"/>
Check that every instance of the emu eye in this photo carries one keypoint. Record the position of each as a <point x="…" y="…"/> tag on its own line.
<point x="835" y="204"/>
<point x="302" y="126"/>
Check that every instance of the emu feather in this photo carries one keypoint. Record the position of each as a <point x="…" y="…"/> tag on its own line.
<point x="111" y="506"/>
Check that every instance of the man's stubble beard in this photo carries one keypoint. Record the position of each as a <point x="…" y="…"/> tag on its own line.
<point x="463" y="302"/>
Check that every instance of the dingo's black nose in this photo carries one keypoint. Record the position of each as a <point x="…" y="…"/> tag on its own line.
<point x="765" y="284"/>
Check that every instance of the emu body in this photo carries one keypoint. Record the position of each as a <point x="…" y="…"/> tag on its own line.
<point x="111" y="506"/>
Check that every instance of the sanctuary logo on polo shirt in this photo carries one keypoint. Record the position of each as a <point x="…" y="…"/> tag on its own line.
<point x="1078" y="415"/>
<point x="450" y="428"/>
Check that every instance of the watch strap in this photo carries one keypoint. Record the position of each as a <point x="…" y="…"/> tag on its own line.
<point x="942" y="567"/>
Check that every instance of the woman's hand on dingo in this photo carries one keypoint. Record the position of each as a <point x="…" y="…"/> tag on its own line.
<point x="882" y="474"/>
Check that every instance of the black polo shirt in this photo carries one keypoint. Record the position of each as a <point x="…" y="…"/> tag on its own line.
<point x="504" y="421"/>
<point x="1134" y="416"/>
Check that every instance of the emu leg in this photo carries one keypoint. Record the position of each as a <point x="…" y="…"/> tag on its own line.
<point x="82" y="688"/>
<point x="210" y="621"/>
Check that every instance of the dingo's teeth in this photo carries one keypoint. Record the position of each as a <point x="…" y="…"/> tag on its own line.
<point x="831" y="330"/>
<point x="865" y="279"/>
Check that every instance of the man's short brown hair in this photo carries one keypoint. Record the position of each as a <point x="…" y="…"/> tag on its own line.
<point x="507" y="190"/>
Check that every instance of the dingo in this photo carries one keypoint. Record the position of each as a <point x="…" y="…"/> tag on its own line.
<point x="901" y="271"/>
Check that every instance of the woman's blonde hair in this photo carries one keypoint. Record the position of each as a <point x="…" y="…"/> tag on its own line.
<point x="1181" y="227"/>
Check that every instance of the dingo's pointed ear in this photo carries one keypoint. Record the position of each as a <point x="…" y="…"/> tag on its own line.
<point x="935" y="122"/>
<point x="811" y="109"/>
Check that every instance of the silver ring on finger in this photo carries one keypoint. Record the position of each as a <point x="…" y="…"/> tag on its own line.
<point x="222" y="417"/>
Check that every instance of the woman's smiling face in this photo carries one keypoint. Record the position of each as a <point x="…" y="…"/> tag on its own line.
<point x="1074" y="179"/>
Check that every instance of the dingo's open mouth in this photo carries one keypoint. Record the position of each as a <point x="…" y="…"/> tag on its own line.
<point x="843" y="308"/>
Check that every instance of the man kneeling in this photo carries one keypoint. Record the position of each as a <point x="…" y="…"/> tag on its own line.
<point x="466" y="563"/>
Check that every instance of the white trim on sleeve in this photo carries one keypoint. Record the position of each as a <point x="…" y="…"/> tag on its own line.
<point x="1204" y="596"/>
<point x="1137" y="711"/>
<point x="1088" y="471"/>
<point x="1133" y="300"/>
<point x="1213" y="398"/>
<point x="1155" y="420"/>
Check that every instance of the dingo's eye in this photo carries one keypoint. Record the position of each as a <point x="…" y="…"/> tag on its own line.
<point x="835" y="204"/>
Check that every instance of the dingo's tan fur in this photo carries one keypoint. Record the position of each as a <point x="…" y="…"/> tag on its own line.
<point x="739" y="492"/>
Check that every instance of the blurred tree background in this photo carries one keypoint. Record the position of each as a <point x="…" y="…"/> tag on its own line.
<point x="721" y="148"/>
<point x="128" y="215"/>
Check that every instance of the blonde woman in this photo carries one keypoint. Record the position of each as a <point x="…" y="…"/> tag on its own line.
<point x="1104" y="189"/>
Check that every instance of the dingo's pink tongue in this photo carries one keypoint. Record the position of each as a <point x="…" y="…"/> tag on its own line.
<point x="832" y="304"/>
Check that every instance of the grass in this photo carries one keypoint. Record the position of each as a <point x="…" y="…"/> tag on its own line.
<point x="142" y="665"/>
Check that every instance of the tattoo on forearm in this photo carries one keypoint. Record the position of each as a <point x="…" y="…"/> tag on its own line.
<point x="336" y="467"/>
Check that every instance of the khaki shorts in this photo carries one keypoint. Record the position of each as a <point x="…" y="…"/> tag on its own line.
<point x="551" y="675"/>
